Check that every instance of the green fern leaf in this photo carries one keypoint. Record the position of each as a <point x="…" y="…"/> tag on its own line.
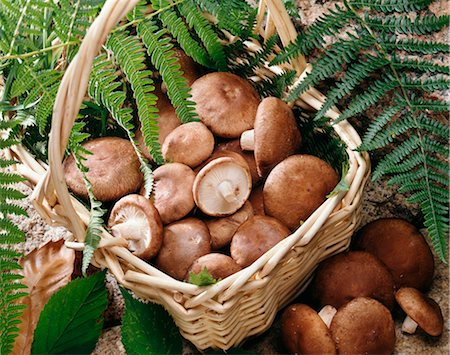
<point x="130" y="55"/>
<point x="337" y="55"/>
<point x="392" y="43"/>
<point x="205" y="33"/>
<point x="160" y="51"/>
<point x="403" y="24"/>
<point x="177" y="27"/>
<point x="391" y="5"/>
<point x="419" y="65"/>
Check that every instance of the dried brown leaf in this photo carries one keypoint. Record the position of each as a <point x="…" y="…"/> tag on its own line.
<point x="46" y="270"/>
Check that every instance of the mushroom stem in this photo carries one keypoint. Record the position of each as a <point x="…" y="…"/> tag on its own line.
<point x="248" y="140"/>
<point x="327" y="313"/>
<point x="227" y="191"/>
<point x="409" y="325"/>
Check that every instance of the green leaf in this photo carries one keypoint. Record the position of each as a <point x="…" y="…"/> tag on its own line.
<point x="148" y="329"/>
<point x="72" y="320"/>
<point x="203" y="278"/>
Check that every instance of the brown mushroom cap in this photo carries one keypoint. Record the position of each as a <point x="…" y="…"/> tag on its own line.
<point x="221" y="187"/>
<point x="296" y="187"/>
<point x="135" y="219"/>
<point x="275" y="137"/>
<point x="172" y="191"/>
<point x="190" y="144"/>
<point x="235" y="146"/>
<point x="183" y="242"/>
<point x="401" y="247"/>
<point x="218" y="265"/>
<point x="167" y="122"/>
<point x="254" y="237"/>
<point x="304" y="332"/>
<point x="256" y="198"/>
<point x="345" y="276"/>
<point x="363" y="326"/>
<point x="421" y="309"/>
<point x="225" y="103"/>
<point x="222" y="229"/>
<point x="107" y="184"/>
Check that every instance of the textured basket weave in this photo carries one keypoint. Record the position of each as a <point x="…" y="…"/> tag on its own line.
<point x="244" y="304"/>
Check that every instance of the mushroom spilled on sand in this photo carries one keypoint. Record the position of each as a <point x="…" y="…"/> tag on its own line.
<point x="402" y="248"/>
<point x="363" y="326"/>
<point x="304" y="332"/>
<point x="226" y="103"/>
<point x="135" y="219"/>
<point x="420" y="311"/>
<point x="107" y="184"/>
<point x="275" y="136"/>
<point x="345" y="276"/>
<point x="222" y="186"/>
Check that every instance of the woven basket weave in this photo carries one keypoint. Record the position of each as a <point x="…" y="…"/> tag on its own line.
<point x="244" y="304"/>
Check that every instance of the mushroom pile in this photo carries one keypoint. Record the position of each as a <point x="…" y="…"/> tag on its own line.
<point x="234" y="184"/>
<point x="390" y="265"/>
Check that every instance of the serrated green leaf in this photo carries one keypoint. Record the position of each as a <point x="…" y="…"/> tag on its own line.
<point x="72" y="320"/>
<point x="203" y="278"/>
<point x="148" y="329"/>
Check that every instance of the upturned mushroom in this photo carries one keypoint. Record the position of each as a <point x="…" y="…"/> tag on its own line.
<point x="304" y="332"/>
<point x="296" y="187"/>
<point x="167" y="122"/>
<point x="275" y="136"/>
<point x="363" y="326"/>
<point x="183" y="242"/>
<point x="421" y="311"/>
<point x="235" y="146"/>
<point x="226" y="103"/>
<point x="402" y="248"/>
<point x="135" y="219"/>
<point x="190" y="144"/>
<point x="107" y="184"/>
<point x="254" y="237"/>
<point x="172" y="191"/>
<point x="222" y="229"/>
<point x="221" y="187"/>
<point x="345" y="276"/>
<point x="219" y="266"/>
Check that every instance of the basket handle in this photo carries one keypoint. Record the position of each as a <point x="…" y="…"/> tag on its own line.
<point x="67" y="105"/>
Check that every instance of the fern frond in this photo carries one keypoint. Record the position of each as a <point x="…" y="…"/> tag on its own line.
<point x="105" y="90"/>
<point x="314" y="36"/>
<point x="178" y="28"/>
<point x="130" y="55"/>
<point x="427" y="84"/>
<point x="392" y="43"/>
<point x="419" y="65"/>
<point x="235" y="16"/>
<point x="391" y="5"/>
<point x="205" y="32"/>
<point x="338" y="54"/>
<point x="276" y="85"/>
<point x="10" y="234"/>
<point x="377" y="125"/>
<point x="368" y="98"/>
<point x="353" y="76"/>
<point x="160" y="51"/>
<point x="403" y="24"/>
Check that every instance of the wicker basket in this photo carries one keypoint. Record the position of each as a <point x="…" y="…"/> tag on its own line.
<point x="244" y="304"/>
